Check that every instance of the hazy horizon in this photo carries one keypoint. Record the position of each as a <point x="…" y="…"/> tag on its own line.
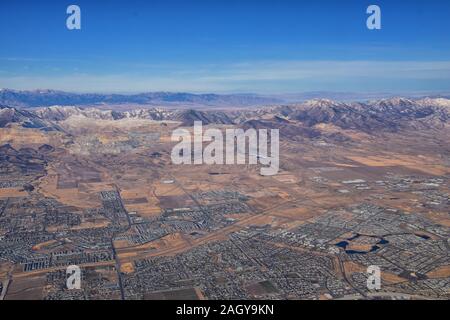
<point x="318" y="93"/>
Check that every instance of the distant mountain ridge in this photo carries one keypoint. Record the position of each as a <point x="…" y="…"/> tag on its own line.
<point x="46" y="98"/>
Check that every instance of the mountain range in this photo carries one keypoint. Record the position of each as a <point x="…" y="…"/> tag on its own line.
<point x="386" y="114"/>
<point x="45" y="98"/>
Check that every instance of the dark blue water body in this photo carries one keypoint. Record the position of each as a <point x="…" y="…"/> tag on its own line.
<point x="373" y="249"/>
<point x="344" y="245"/>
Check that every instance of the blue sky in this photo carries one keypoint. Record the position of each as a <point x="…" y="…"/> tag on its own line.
<point x="226" y="46"/>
